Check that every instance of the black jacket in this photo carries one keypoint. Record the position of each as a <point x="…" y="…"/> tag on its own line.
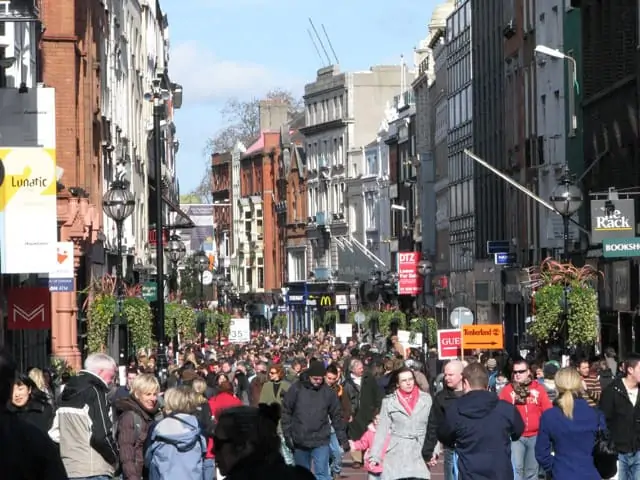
<point x="26" y="453"/>
<point x="441" y="402"/>
<point x="623" y="418"/>
<point x="481" y="428"/>
<point x="308" y="413"/>
<point x="364" y="400"/>
<point x="87" y="389"/>
<point x="37" y="412"/>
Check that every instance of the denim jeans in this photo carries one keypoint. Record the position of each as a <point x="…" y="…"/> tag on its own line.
<point x="209" y="469"/>
<point x="320" y="458"/>
<point x="628" y="466"/>
<point x="335" y="459"/>
<point x="523" y="457"/>
<point x="448" y="464"/>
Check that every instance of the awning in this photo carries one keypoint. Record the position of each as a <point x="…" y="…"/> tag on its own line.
<point x="355" y="261"/>
<point x="182" y="221"/>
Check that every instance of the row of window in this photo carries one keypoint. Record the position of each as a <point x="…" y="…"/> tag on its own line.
<point x="297" y="265"/>
<point x="325" y="111"/>
<point x="253" y="277"/>
<point x="327" y="200"/>
<point x="461" y="201"/>
<point x="459" y="73"/>
<point x="460" y="108"/>
<point x="442" y="122"/>
<point x="325" y="153"/>
<point x="459" y="20"/>
<point x="460" y="166"/>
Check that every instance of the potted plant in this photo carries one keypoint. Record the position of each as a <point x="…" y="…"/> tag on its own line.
<point x="217" y="323"/>
<point x="559" y="283"/>
<point x="422" y="325"/>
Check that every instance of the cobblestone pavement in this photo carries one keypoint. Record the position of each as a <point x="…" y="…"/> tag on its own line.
<point x="437" y="473"/>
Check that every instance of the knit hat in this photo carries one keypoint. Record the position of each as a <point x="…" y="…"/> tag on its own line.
<point x="550" y="369"/>
<point x="316" y="369"/>
<point x="492" y="364"/>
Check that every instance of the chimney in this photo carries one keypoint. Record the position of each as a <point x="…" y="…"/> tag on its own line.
<point x="273" y="114"/>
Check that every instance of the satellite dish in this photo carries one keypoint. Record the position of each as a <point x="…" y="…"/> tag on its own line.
<point x="461" y="316"/>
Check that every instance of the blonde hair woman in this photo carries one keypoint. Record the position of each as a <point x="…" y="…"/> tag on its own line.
<point x="569" y="429"/>
<point x="207" y="426"/>
<point x="36" y="375"/>
<point x="138" y="411"/>
<point x="177" y="448"/>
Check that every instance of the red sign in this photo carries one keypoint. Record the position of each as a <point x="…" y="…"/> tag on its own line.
<point x="409" y="280"/>
<point x="29" y="308"/>
<point x="449" y="344"/>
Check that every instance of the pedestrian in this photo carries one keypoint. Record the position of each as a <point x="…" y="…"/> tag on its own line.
<point x="481" y="429"/>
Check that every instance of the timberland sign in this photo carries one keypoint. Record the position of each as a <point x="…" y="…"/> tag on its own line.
<point x="612" y="219"/>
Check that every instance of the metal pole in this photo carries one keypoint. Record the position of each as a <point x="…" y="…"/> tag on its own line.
<point x="157" y="150"/>
<point x="118" y="331"/>
<point x="202" y="315"/>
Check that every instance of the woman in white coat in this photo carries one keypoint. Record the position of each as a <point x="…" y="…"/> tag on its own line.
<point x="403" y="418"/>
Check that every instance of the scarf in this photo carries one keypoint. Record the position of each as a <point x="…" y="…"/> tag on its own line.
<point x="521" y="391"/>
<point x="408" y="400"/>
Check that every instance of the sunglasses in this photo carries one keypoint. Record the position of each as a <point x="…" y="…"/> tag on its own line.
<point x="520" y="371"/>
<point x="273" y="372"/>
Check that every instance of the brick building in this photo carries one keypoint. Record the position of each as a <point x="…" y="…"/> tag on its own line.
<point x="222" y="200"/>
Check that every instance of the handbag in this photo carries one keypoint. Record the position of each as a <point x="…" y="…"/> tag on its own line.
<point x="605" y="457"/>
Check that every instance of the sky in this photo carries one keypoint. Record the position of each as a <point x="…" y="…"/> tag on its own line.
<point x="243" y="48"/>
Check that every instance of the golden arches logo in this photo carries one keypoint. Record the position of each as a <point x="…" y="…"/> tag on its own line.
<point x="325" y="301"/>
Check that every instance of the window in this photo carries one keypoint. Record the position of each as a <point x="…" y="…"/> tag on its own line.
<point x="372" y="164"/>
<point x="340" y="151"/>
<point x="370" y="211"/>
<point x="296" y="265"/>
<point x="248" y="277"/>
<point x="247" y="225"/>
<point x="3" y="72"/>
<point x="260" y="272"/>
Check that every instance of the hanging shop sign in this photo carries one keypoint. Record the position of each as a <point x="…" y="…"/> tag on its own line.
<point x="612" y="219"/>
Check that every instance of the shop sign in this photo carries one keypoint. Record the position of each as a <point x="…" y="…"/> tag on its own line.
<point x="621" y="248"/>
<point x="612" y="219"/>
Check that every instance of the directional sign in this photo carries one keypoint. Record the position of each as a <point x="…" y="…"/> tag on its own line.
<point x="482" y="337"/>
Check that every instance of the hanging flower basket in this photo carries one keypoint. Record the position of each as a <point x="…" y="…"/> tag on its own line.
<point x="559" y="283"/>
<point x="280" y="322"/>
<point x="388" y="318"/>
<point x="181" y="316"/>
<point x="419" y="325"/>
<point x="101" y="309"/>
<point x="217" y="321"/>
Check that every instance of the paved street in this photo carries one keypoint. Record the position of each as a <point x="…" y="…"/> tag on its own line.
<point x="437" y="473"/>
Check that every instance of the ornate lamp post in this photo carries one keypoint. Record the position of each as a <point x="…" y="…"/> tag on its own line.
<point x="567" y="199"/>
<point x="176" y="251"/>
<point x="202" y="265"/>
<point x="118" y="204"/>
<point x="425" y="269"/>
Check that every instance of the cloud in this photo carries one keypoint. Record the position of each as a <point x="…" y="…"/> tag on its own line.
<point x="207" y="78"/>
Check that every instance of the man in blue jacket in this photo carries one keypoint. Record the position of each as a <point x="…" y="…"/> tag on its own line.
<point x="480" y="428"/>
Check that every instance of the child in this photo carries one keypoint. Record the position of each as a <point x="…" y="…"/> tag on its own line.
<point x="364" y="445"/>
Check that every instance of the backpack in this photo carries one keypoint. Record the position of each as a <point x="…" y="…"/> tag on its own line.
<point x="137" y="426"/>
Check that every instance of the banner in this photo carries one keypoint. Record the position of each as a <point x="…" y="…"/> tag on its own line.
<point x="409" y="281"/>
<point x="28" y="214"/>
<point x="200" y="237"/>
<point x="29" y="308"/>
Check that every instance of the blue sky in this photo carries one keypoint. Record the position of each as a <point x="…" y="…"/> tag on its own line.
<point x="243" y="48"/>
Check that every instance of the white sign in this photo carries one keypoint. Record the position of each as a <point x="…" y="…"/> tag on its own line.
<point x="27" y="181"/>
<point x="63" y="267"/>
<point x="207" y="277"/>
<point x="344" y="331"/>
<point x="404" y="337"/>
<point x="239" y="330"/>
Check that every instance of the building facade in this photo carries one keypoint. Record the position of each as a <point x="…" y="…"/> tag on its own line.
<point x="222" y="204"/>
<point x="342" y="113"/>
<point x="460" y="130"/>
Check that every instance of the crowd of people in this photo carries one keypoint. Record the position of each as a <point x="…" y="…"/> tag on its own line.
<point x="283" y="407"/>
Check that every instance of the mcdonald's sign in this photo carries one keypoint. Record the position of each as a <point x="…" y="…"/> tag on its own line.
<point x="326" y="301"/>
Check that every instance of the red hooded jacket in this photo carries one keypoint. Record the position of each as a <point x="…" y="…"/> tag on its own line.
<point x="217" y="404"/>
<point x="537" y="402"/>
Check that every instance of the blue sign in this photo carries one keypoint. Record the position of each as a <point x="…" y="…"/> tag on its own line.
<point x="504" y="258"/>
<point x="296" y="299"/>
<point x="498" y="246"/>
<point x="58" y="285"/>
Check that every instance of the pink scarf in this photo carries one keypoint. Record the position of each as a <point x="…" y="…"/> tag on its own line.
<point x="408" y="400"/>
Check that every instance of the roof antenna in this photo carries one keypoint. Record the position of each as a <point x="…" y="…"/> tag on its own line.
<point x="330" y="45"/>
<point x="315" y="45"/>
<point x="320" y="40"/>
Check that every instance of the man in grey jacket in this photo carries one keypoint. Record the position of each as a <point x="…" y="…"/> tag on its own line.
<point x="83" y="423"/>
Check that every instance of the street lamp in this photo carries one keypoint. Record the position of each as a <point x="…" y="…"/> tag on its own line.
<point x="202" y="265"/>
<point x="176" y="251"/>
<point x="118" y="204"/>
<point x="425" y="269"/>
<point x="575" y="87"/>
<point x="566" y="199"/>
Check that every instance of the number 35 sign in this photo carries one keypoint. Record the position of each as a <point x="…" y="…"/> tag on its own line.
<point x="239" y="330"/>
